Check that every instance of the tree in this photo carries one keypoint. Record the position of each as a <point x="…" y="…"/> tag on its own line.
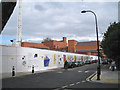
<point x="47" y="39"/>
<point x="111" y="43"/>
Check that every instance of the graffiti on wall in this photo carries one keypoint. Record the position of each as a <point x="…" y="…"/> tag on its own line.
<point x="91" y="58"/>
<point x="24" y="62"/>
<point x="64" y="56"/>
<point x="82" y="58"/>
<point x="54" y="58"/>
<point x="75" y="58"/>
<point x="86" y="57"/>
<point x="59" y="60"/>
<point x="46" y="61"/>
<point x="35" y="55"/>
<point x="12" y="58"/>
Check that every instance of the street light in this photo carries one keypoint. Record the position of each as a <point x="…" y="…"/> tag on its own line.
<point x="98" y="67"/>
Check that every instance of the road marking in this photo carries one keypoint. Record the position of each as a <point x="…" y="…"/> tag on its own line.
<point x="91" y="76"/>
<point x="60" y="72"/>
<point x="70" y="69"/>
<point x="83" y="81"/>
<point x="86" y="71"/>
<point x="72" y="84"/>
<point x="64" y="86"/>
<point x="77" y="82"/>
<point x="79" y="71"/>
<point x="56" y="89"/>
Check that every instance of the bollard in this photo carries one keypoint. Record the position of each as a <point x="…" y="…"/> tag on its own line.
<point x="13" y="71"/>
<point x="33" y="69"/>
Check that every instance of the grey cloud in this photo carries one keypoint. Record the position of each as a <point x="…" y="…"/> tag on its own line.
<point x="55" y="19"/>
<point x="39" y="7"/>
<point x="53" y="4"/>
<point x="47" y="5"/>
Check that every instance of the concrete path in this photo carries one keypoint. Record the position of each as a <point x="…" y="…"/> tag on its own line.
<point x="108" y="77"/>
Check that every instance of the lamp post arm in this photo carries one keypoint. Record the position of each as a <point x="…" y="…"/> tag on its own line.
<point x="98" y="68"/>
<point x="96" y="34"/>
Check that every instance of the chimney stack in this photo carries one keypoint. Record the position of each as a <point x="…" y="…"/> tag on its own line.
<point x="64" y="39"/>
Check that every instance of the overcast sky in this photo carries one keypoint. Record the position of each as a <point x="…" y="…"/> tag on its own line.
<point x="61" y="19"/>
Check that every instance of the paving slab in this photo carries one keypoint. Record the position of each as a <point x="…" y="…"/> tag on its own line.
<point x="108" y="77"/>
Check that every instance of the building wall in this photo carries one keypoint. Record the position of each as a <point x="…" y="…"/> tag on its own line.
<point x="59" y="44"/>
<point x="50" y="44"/>
<point x="86" y="47"/>
<point x="53" y="44"/>
<point x="72" y="45"/>
<point x="88" y="53"/>
<point x="33" y="45"/>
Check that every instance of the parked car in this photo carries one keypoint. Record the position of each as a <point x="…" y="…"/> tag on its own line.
<point x="87" y="62"/>
<point x="81" y="63"/>
<point x="105" y="61"/>
<point x="73" y="64"/>
<point x="78" y="63"/>
<point x="93" y="61"/>
<point x="69" y="65"/>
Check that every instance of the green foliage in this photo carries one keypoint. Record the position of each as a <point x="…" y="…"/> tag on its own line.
<point x="47" y="39"/>
<point x="111" y="42"/>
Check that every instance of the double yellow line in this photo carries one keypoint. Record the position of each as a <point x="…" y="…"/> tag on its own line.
<point x="88" y="79"/>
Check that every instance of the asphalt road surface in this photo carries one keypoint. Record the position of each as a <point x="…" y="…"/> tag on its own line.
<point x="72" y="78"/>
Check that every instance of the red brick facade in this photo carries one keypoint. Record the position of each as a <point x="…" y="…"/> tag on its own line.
<point x="53" y="44"/>
<point x="34" y="45"/>
<point x="89" y="48"/>
<point x="72" y="45"/>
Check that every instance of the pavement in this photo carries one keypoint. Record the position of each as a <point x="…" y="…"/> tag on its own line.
<point x="107" y="76"/>
<point x="19" y="74"/>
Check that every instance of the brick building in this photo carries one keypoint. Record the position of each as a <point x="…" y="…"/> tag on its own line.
<point x="34" y="45"/>
<point x="89" y="48"/>
<point x="50" y="44"/>
<point x="56" y="45"/>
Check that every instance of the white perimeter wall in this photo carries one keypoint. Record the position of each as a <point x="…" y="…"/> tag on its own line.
<point x="24" y="58"/>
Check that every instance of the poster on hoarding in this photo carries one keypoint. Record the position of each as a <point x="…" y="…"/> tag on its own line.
<point x="46" y="61"/>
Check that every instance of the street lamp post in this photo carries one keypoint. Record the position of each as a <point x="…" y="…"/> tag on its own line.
<point x="98" y="67"/>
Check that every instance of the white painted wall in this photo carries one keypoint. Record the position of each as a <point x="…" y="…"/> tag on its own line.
<point x="23" y="59"/>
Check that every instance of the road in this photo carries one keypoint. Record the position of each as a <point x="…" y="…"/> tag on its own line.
<point x="58" y="79"/>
